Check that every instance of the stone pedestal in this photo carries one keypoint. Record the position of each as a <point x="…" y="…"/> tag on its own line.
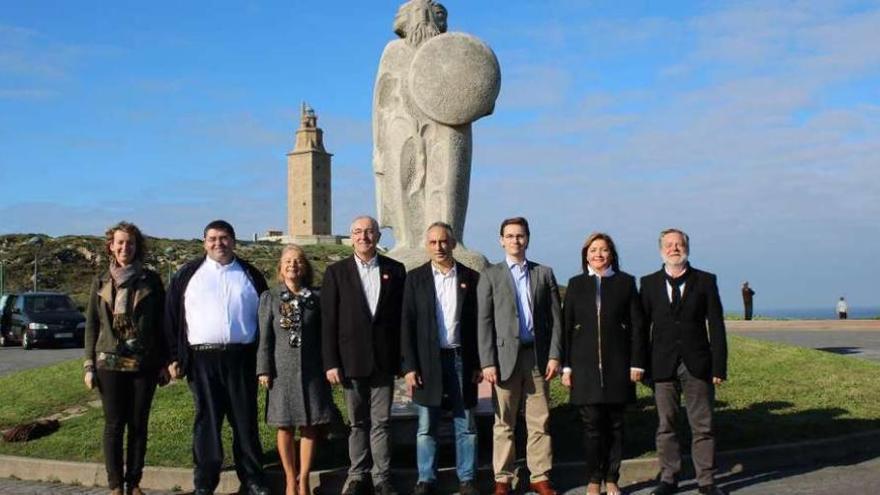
<point x="405" y="417"/>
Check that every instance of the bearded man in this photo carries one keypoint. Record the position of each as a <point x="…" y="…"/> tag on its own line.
<point x="688" y="354"/>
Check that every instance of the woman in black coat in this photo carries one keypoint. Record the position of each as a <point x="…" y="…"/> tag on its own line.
<point x="604" y="351"/>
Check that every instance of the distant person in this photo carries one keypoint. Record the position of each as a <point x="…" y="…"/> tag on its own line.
<point x="520" y="342"/>
<point x="604" y="355"/>
<point x="748" y="295"/>
<point x="361" y="300"/>
<point x="289" y="364"/>
<point x="842" y="308"/>
<point x="211" y="326"/>
<point x="688" y="354"/>
<point x="125" y="352"/>
<point x="440" y="360"/>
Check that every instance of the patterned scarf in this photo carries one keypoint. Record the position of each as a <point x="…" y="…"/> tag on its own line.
<point x="123" y="278"/>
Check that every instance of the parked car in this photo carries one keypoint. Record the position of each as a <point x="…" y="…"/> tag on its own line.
<point x="40" y="319"/>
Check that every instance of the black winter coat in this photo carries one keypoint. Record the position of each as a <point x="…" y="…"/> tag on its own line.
<point x="615" y="338"/>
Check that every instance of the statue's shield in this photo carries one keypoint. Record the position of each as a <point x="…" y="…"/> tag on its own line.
<point x="455" y="78"/>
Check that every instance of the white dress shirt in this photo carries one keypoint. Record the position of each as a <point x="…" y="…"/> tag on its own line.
<point x="370" y="280"/>
<point x="445" y="288"/>
<point x="221" y="305"/>
<point x="669" y="286"/>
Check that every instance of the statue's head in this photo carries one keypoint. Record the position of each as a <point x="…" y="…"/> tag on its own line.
<point x="419" y="20"/>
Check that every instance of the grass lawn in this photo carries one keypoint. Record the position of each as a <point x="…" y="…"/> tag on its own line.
<point x="776" y="393"/>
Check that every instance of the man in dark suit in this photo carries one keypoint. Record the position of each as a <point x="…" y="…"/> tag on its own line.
<point x="211" y="332"/>
<point x="440" y="362"/>
<point x="688" y="353"/>
<point x="360" y="309"/>
<point x="520" y="344"/>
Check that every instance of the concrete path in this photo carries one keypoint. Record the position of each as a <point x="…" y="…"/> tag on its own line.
<point x="21" y="487"/>
<point x="856" y="338"/>
<point x="859" y="477"/>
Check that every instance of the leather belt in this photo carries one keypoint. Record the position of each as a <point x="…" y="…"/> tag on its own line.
<point x="219" y="347"/>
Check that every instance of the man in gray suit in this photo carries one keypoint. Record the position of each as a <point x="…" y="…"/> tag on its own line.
<point x="520" y="345"/>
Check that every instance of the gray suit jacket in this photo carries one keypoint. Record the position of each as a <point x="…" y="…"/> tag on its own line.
<point x="498" y="322"/>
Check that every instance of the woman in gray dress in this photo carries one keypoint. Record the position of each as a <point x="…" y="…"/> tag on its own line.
<point x="289" y="366"/>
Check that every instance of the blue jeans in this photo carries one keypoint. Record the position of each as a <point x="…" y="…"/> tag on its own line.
<point x="462" y="421"/>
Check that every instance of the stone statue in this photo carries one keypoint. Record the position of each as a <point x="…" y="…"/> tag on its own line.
<point x="429" y="88"/>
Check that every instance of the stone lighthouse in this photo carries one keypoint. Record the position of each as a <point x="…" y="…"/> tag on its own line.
<point x="309" y="210"/>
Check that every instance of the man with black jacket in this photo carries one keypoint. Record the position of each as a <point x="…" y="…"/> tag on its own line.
<point x="688" y="354"/>
<point x="361" y="299"/>
<point x="211" y="328"/>
<point x="440" y="358"/>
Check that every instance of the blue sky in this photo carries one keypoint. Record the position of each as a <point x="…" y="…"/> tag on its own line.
<point x="754" y="126"/>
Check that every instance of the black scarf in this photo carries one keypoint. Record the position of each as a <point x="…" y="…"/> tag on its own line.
<point x="676" y="283"/>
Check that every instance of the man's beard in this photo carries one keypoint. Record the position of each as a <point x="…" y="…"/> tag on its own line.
<point x="682" y="262"/>
<point x="422" y="32"/>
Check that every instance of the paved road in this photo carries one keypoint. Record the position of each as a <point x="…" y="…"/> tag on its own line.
<point x="859" y="477"/>
<point x="856" y="338"/>
<point x="16" y="359"/>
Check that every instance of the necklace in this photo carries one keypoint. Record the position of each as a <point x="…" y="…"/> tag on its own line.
<point x="291" y="310"/>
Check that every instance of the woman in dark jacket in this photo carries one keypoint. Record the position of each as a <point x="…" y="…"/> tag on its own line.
<point x="289" y="364"/>
<point x="604" y="351"/>
<point x="125" y="353"/>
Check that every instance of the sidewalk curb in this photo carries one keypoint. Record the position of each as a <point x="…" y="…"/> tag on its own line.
<point x="564" y="474"/>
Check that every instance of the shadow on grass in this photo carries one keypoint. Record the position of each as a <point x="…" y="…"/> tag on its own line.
<point x="843" y="351"/>
<point x="761" y="424"/>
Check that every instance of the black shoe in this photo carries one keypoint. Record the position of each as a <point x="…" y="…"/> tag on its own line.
<point x="257" y="489"/>
<point x="712" y="490"/>
<point x="664" y="488"/>
<point x="385" y="488"/>
<point x="467" y="488"/>
<point x="424" y="488"/>
<point x="357" y="487"/>
<point x="203" y="491"/>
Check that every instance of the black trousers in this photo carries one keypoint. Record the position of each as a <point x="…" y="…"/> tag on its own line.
<point x="748" y="311"/>
<point x="126" y="398"/>
<point x="603" y="441"/>
<point x="224" y="385"/>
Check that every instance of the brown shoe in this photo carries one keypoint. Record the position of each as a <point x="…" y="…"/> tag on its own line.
<point x="542" y="488"/>
<point x="502" y="488"/>
<point x="116" y="491"/>
<point x="135" y="490"/>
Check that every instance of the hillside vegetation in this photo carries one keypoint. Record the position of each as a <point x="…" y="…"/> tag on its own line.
<point x="69" y="263"/>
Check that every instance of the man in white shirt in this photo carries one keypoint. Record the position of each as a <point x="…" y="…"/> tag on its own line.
<point x="842" y="309"/>
<point x="211" y="331"/>
<point x="440" y="357"/>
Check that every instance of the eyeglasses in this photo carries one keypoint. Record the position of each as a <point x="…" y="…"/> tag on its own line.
<point x="370" y="232"/>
